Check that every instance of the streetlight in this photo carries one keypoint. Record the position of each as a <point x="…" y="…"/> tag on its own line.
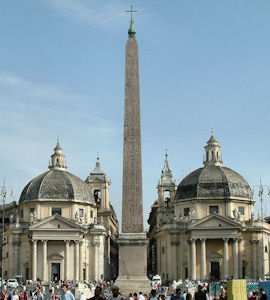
<point x="260" y="194"/>
<point x="4" y="195"/>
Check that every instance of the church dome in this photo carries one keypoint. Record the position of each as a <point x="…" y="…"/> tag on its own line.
<point x="213" y="180"/>
<point x="56" y="184"/>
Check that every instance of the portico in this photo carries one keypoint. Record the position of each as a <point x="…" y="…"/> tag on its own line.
<point x="204" y="234"/>
<point x="62" y="252"/>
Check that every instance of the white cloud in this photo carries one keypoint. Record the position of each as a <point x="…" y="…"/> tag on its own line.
<point x="34" y="114"/>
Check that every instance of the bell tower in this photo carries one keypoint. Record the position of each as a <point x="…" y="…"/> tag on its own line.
<point x="166" y="185"/>
<point x="99" y="185"/>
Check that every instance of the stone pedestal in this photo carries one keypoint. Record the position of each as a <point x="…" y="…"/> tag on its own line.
<point x="133" y="264"/>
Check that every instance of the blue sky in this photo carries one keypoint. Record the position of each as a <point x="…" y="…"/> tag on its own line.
<point x="203" y="64"/>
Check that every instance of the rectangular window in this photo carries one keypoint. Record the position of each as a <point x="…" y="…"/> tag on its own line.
<point x="241" y="210"/>
<point x="91" y="214"/>
<point x="186" y="211"/>
<point x="57" y="210"/>
<point x="21" y="213"/>
<point x="213" y="209"/>
<point x="32" y="210"/>
<point x="81" y="213"/>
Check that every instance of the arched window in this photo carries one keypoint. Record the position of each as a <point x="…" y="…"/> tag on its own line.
<point x="167" y="197"/>
<point x="97" y="196"/>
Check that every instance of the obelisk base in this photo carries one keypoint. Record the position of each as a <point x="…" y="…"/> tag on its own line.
<point x="133" y="264"/>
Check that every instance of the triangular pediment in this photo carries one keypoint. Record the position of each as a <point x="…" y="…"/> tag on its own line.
<point x="215" y="221"/>
<point x="56" y="222"/>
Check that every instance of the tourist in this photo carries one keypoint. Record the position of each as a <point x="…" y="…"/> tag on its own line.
<point x="52" y="295"/>
<point x="188" y="296"/>
<point x="115" y="293"/>
<point x="21" y="295"/>
<point x="263" y="296"/>
<point x="141" y="297"/>
<point x="4" y="295"/>
<point x="163" y="297"/>
<point x="254" y="296"/>
<point x="83" y="297"/>
<point x="135" y="296"/>
<point x="223" y="295"/>
<point x="9" y="295"/>
<point x="153" y="295"/>
<point x="97" y="295"/>
<point x="200" y="294"/>
<point x="177" y="295"/>
<point x="14" y="295"/>
<point x="40" y="295"/>
<point x="66" y="294"/>
<point x="25" y="295"/>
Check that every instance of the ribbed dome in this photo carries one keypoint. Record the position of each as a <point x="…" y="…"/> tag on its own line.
<point x="213" y="181"/>
<point x="56" y="185"/>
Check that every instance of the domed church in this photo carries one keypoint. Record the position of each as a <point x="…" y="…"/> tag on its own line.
<point x="65" y="228"/>
<point x="204" y="228"/>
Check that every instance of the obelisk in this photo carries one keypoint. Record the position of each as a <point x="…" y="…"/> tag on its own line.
<point x="132" y="241"/>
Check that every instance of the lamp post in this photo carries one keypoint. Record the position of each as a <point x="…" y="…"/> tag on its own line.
<point x="4" y="195"/>
<point x="260" y="194"/>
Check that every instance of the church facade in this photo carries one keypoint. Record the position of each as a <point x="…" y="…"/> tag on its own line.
<point x="204" y="228"/>
<point x="64" y="227"/>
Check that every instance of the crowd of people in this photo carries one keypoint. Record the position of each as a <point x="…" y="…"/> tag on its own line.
<point x="109" y="291"/>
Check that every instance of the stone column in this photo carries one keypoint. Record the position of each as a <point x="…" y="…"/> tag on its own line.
<point x="44" y="261"/>
<point x="180" y="259"/>
<point x="193" y="259"/>
<point x="34" y="260"/>
<point x="67" y="260"/>
<point x="203" y="259"/>
<point x="175" y="256"/>
<point x="188" y="259"/>
<point x="235" y="258"/>
<point x="240" y="262"/>
<point x="157" y="256"/>
<point x="226" y="258"/>
<point x="77" y="260"/>
<point x="81" y="261"/>
<point x="254" y="258"/>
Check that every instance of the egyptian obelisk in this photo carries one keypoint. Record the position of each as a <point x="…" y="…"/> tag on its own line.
<point x="132" y="241"/>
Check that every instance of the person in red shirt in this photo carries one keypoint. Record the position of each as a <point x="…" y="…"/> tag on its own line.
<point x="4" y="295"/>
<point x="254" y="296"/>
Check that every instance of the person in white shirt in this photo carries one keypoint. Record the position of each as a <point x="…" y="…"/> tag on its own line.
<point x="141" y="297"/>
<point x="82" y="297"/>
<point x="115" y="293"/>
<point x="14" y="295"/>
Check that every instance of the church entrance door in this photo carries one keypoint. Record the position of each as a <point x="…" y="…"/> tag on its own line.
<point x="55" y="274"/>
<point x="215" y="270"/>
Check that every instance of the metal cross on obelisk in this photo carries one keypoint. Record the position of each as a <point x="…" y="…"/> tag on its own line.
<point x="131" y="11"/>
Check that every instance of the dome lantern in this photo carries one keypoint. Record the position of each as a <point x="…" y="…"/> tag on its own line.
<point x="58" y="161"/>
<point x="212" y="153"/>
